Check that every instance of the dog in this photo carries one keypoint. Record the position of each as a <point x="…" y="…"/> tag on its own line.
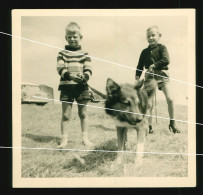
<point x="128" y="105"/>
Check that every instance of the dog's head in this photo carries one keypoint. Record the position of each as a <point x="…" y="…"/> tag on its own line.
<point x="127" y="100"/>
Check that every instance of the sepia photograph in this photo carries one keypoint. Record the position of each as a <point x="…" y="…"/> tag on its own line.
<point x="104" y="98"/>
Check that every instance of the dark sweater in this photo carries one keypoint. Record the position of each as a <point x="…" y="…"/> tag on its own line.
<point x="158" y="56"/>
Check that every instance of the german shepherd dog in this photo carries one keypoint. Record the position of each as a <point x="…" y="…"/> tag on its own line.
<point x="128" y="106"/>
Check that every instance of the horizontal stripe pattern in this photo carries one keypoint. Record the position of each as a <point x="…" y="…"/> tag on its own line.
<point x="60" y="66"/>
<point x="63" y="72"/>
<point x="74" y="63"/>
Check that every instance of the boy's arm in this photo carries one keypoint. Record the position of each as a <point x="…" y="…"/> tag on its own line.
<point x="61" y="67"/>
<point x="140" y="66"/>
<point x="164" y="61"/>
<point x="87" y="70"/>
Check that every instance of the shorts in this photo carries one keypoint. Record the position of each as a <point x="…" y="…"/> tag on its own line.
<point x="161" y="81"/>
<point x="69" y="93"/>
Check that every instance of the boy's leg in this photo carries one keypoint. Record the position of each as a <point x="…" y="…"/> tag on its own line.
<point x="169" y="99"/>
<point x="66" y="115"/>
<point x="167" y="92"/>
<point x="82" y="113"/>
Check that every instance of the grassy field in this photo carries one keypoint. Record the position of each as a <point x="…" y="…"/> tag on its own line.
<point x="41" y="129"/>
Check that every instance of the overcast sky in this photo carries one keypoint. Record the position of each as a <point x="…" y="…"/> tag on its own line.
<point x="117" y="39"/>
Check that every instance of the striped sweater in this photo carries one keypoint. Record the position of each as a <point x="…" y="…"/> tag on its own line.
<point x="73" y="62"/>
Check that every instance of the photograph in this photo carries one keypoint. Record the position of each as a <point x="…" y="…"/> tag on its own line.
<point x="103" y="98"/>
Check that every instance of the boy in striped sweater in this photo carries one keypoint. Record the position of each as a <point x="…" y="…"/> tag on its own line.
<point x="74" y="68"/>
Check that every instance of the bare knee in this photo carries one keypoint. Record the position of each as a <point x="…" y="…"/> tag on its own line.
<point x="66" y="117"/>
<point x="82" y="114"/>
<point x="169" y="101"/>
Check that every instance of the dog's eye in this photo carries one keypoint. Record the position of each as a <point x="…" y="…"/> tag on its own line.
<point x="127" y="102"/>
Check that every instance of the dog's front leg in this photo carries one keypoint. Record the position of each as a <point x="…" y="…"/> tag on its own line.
<point x="122" y="137"/>
<point x="140" y="145"/>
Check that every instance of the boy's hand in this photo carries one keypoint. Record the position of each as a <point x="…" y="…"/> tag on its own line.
<point x="80" y="76"/>
<point x="137" y="78"/>
<point x="77" y="79"/>
<point x="84" y="77"/>
<point x="151" y="68"/>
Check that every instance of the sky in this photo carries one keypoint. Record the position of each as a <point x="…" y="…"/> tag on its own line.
<point x="118" y="39"/>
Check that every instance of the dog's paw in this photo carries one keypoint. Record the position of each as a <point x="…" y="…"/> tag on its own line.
<point x="81" y="160"/>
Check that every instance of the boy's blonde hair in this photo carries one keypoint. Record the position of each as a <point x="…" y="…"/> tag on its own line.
<point x="153" y="26"/>
<point x="73" y="27"/>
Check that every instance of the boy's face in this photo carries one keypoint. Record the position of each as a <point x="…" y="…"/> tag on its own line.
<point x="73" y="38"/>
<point x="153" y="36"/>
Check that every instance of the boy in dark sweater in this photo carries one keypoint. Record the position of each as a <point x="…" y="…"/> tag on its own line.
<point x="155" y="59"/>
<point x="75" y="70"/>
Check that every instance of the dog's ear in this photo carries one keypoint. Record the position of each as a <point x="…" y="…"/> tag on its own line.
<point x="112" y="87"/>
<point x="139" y="84"/>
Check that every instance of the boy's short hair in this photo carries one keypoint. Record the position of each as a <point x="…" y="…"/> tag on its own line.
<point x="73" y="27"/>
<point x="153" y="26"/>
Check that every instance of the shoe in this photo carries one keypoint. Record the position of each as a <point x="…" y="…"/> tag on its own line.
<point x="85" y="139"/>
<point x="172" y="127"/>
<point x="63" y="143"/>
<point x="150" y="129"/>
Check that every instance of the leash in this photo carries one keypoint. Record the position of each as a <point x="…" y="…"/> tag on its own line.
<point x="155" y="104"/>
<point x="155" y="100"/>
<point x="96" y="91"/>
<point x="93" y="89"/>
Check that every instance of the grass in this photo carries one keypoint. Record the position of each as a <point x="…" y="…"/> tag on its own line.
<point x="41" y="129"/>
